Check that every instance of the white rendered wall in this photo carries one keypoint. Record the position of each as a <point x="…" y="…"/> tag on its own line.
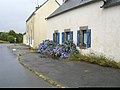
<point x="104" y="25"/>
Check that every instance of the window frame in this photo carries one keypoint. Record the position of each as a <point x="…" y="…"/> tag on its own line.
<point x="66" y="33"/>
<point x="56" y="36"/>
<point x="80" y="34"/>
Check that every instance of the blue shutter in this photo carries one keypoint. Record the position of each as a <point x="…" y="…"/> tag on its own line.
<point x="78" y="38"/>
<point x="88" y="38"/>
<point x="63" y="37"/>
<point x="83" y="38"/>
<point x="71" y="36"/>
<point x="53" y="37"/>
<point x="58" y="38"/>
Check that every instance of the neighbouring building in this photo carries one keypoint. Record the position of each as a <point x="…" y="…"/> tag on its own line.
<point x="24" y="39"/>
<point x="93" y="25"/>
<point x="36" y="24"/>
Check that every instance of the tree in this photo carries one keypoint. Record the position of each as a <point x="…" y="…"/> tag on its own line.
<point x="3" y="36"/>
<point x="10" y="38"/>
<point x="12" y="32"/>
<point x="20" y="37"/>
<point x="10" y="35"/>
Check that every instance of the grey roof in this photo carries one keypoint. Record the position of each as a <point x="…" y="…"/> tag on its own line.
<point x="73" y="4"/>
<point x="110" y="3"/>
<point x="30" y="16"/>
<point x="69" y="5"/>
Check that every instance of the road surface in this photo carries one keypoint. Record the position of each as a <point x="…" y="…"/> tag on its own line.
<point x="13" y="75"/>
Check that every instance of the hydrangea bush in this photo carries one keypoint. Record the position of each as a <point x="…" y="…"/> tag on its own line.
<point x="56" y="50"/>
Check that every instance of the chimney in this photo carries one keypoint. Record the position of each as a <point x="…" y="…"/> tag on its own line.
<point x="36" y="8"/>
<point x="65" y="1"/>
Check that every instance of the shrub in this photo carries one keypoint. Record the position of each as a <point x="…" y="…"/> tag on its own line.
<point x="56" y="50"/>
<point x="46" y="47"/>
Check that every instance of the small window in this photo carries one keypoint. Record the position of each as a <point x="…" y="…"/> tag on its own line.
<point x="67" y="36"/>
<point x="84" y="39"/>
<point x="31" y="39"/>
<point x="56" y="37"/>
<point x="31" y="36"/>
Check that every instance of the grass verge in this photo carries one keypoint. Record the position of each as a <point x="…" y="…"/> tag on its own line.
<point x="3" y="41"/>
<point x="40" y="75"/>
<point x="99" y="60"/>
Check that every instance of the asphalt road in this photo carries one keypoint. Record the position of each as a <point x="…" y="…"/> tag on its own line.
<point x="13" y="75"/>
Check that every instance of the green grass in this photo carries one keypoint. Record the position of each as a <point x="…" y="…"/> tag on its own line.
<point x="20" y="44"/>
<point x="94" y="59"/>
<point x="3" y="41"/>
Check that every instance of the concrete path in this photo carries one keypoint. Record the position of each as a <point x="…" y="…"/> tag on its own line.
<point x="73" y="74"/>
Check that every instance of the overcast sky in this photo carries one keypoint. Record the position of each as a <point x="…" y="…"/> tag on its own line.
<point x="13" y="14"/>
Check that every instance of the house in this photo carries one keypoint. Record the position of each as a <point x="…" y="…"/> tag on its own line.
<point x="24" y="39"/>
<point x="36" y="24"/>
<point x="30" y="29"/>
<point x="93" y="25"/>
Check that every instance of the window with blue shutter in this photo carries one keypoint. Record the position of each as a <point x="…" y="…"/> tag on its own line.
<point x="78" y="38"/>
<point x="88" y="38"/>
<point x="71" y="36"/>
<point x="58" y="38"/>
<point x="63" y="37"/>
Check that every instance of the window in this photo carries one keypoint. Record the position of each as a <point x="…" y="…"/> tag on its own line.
<point x="56" y="37"/>
<point x="31" y="36"/>
<point x="67" y="36"/>
<point x="29" y="40"/>
<point x="84" y="35"/>
<point x="84" y="38"/>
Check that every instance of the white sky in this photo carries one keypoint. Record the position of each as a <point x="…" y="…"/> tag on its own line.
<point x="13" y="14"/>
